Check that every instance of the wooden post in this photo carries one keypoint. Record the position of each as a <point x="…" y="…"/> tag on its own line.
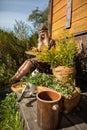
<point x="50" y="17"/>
<point x="68" y="14"/>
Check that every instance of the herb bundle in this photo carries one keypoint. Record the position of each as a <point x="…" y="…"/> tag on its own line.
<point x="50" y="81"/>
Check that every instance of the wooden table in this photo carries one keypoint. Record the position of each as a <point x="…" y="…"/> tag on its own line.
<point x="76" y="120"/>
<point x="31" y="53"/>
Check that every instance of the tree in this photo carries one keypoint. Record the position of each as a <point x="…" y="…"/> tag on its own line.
<point x="33" y="40"/>
<point x="21" y="30"/>
<point x="37" y="17"/>
<point x="12" y="55"/>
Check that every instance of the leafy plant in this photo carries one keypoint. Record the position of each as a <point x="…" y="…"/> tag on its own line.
<point x="9" y="115"/>
<point x="50" y="81"/>
<point x="41" y="79"/>
<point x="63" y="54"/>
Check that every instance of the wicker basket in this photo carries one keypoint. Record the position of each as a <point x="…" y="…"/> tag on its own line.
<point x="17" y="88"/>
<point x="42" y="88"/>
<point x="69" y="104"/>
<point x="63" y="73"/>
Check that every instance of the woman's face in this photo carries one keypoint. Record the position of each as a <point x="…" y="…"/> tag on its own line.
<point x="42" y="34"/>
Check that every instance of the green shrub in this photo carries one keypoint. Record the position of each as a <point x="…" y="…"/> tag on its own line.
<point x="9" y="115"/>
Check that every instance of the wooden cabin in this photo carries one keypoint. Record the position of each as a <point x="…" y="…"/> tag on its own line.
<point x="72" y="16"/>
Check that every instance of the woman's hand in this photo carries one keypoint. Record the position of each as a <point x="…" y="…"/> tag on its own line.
<point x="34" y="49"/>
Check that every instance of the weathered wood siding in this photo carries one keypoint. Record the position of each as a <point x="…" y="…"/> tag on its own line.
<point x="58" y="17"/>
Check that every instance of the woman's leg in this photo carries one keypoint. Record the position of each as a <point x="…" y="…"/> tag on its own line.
<point x="23" y="70"/>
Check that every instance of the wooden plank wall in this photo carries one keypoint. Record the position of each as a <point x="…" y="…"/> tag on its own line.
<point x="78" y="21"/>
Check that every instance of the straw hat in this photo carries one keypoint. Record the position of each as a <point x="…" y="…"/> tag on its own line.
<point x="43" y="27"/>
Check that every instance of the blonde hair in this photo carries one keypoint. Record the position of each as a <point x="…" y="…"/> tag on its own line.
<point x="43" y="42"/>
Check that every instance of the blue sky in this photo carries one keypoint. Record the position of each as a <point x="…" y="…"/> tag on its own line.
<point x="11" y="10"/>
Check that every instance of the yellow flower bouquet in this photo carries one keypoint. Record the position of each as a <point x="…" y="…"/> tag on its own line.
<point x="62" y="55"/>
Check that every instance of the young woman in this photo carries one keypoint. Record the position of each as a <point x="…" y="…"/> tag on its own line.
<point x="25" y="68"/>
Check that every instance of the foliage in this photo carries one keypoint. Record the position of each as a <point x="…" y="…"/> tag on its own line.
<point x="12" y="55"/>
<point x="33" y="40"/>
<point x="21" y="30"/>
<point x="37" y="17"/>
<point x="9" y="116"/>
<point x="63" y="54"/>
<point x="41" y="79"/>
<point x="50" y="81"/>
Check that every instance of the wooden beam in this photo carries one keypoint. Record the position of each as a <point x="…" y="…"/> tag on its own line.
<point x="50" y="7"/>
<point x="68" y="14"/>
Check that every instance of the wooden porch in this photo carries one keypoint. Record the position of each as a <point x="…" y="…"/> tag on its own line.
<point x="75" y="120"/>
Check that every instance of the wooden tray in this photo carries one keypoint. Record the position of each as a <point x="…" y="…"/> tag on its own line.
<point x="31" y="53"/>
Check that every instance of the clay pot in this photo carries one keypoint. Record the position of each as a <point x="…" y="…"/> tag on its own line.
<point x="48" y="109"/>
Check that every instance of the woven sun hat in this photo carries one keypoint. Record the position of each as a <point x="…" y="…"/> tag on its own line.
<point x="43" y="28"/>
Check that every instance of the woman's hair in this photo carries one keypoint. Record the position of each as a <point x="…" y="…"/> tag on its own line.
<point x="42" y="42"/>
<point x="47" y="40"/>
<point x="43" y="27"/>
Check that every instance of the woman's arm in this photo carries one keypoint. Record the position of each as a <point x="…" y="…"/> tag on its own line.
<point x="52" y="43"/>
